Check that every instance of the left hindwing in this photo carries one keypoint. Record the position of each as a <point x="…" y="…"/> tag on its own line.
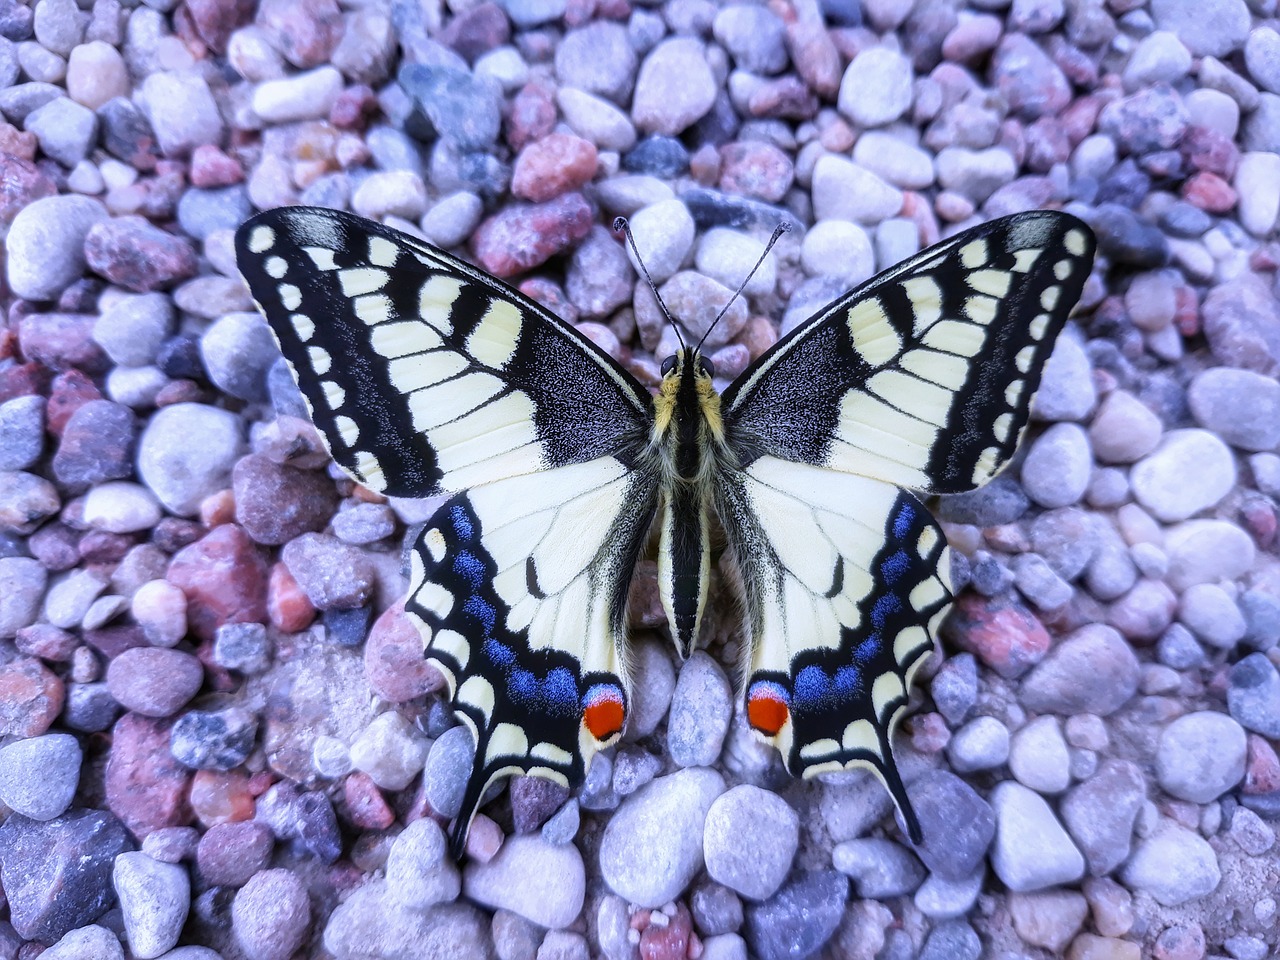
<point x="924" y="375"/>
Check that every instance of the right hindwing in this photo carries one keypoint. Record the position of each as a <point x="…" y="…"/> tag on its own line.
<point x="423" y="373"/>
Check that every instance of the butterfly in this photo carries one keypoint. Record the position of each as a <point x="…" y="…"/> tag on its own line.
<point x="427" y="376"/>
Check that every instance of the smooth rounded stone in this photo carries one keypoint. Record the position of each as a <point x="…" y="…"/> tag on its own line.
<point x="975" y="174"/>
<point x="1124" y="429"/>
<point x="333" y="575"/>
<point x="444" y="777"/>
<point x="1093" y="670"/>
<point x="303" y="96"/>
<point x="1038" y="756"/>
<point x="39" y="776"/>
<point x="180" y="473"/>
<point x="271" y="915"/>
<point x="275" y="503"/>
<point x="1066" y="389"/>
<point x="181" y="110"/>
<point x="238" y="350"/>
<point x="96" y="73"/>
<point x="77" y="849"/>
<point x="45" y="244"/>
<point x="121" y="507"/>
<point x="86" y="943"/>
<point x="64" y="129"/>
<point x="1212" y="615"/>
<point x="1257" y="183"/>
<point x="726" y="946"/>
<point x="842" y="190"/>
<point x="1240" y="406"/>
<point x="390" y="751"/>
<point x="153" y="681"/>
<point x="662" y="822"/>
<point x="1032" y="851"/>
<point x="1049" y="918"/>
<point x="160" y="608"/>
<point x="1001" y="500"/>
<point x="952" y="939"/>
<point x="563" y="825"/>
<point x="957" y="824"/>
<point x="1173" y="865"/>
<point x="800" y="918"/>
<point x="1056" y="470"/>
<point x="22" y="427"/>
<point x="69" y="599"/>
<point x="420" y="872"/>
<point x="597" y="58"/>
<point x="1253" y="695"/>
<point x="674" y="88"/>
<point x="754" y="36"/>
<point x="154" y="900"/>
<point x="1240" y="319"/>
<point x="955" y="687"/>
<point x="1205" y="551"/>
<point x="751" y="836"/>
<point x="1159" y="57"/>
<point x="596" y="119"/>
<point x="452" y="218"/>
<point x="229" y="854"/>
<point x="1100" y="813"/>
<point x="1200" y="756"/>
<point x="532" y="878"/>
<point x="880" y="868"/>
<point x="876" y="88"/>
<point x="728" y="257"/>
<point x="1262" y="58"/>
<point x="1251" y="833"/>
<point x="213" y="740"/>
<point x="22" y="585"/>
<point x="981" y="744"/>
<point x="364" y="523"/>
<point x="941" y="899"/>
<point x="1039" y="582"/>
<point x="701" y="709"/>
<point x="399" y="193"/>
<point x="133" y="327"/>
<point x="368" y="924"/>
<point x="663" y="234"/>
<point x="203" y="213"/>
<point x="57" y="26"/>
<point x="97" y="445"/>
<point x="1215" y="28"/>
<point x="894" y="160"/>
<point x="839" y="249"/>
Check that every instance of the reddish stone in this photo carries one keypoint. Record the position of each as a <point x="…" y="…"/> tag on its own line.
<point x="533" y="114"/>
<point x="552" y="296"/>
<point x="523" y="236"/>
<point x="1210" y="151"/>
<point x="929" y="733"/>
<point x="1186" y="314"/>
<point x="218" y="508"/>
<point x="69" y="391"/>
<point x="56" y="546"/>
<point x="1262" y="767"/>
<point x="221" y="797"/>
<point x="815" y="56"/>
<point x="783" y="98"/>
<point x="366" y="807"/>
<point x="179" y="391"/>
<point x="476" y="31"/>
<point x="115" y="640"/>
<point x="670" y="941"/>
<point x="145" y="786"/>
<point x="230" y="853"/>
<point x="485" y="839"/>
<point x="755" y="169"/>
<point x="1182" y="941"/>
<point x="287" y="605"/>
<point x="21" y="183"/>
<point x="31" y="698"/>
<point x="275" y="503"/>
<point x="999" y="631"/>
<point x="101" y="546"/>
<point x="96" y="445"/>
<point x="393" y="660"/>
<point x="579" y="12"/>
<point x="47" y="642"/>
<point x="137" y="255"/>
<point x="353" y="106"/>
<point x="224" y="577"/>
<point x="210" y="167"/>
<point x="61" y="341"/>
<point x="215" y="20"/>
<point x="23" y="380"/>
<point x="555" y="164"/>
<point x="171" y="534"/>
<point x="1210" y="193"/>
<point x="304" y="31"/>
<point x="18" y="143"/>
<point x="1259" y="516"/>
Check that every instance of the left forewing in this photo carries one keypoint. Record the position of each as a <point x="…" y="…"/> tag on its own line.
<point x="845" y="583"/>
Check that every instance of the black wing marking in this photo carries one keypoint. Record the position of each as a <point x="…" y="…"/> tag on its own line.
<point x="422" y="372"/>
<point x="924" y="375"/>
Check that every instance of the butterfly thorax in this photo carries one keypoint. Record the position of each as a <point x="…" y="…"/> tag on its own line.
<point x="688" y="441"/>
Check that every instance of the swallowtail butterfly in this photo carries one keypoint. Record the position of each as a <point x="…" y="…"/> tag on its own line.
<point x="425" y="376"/>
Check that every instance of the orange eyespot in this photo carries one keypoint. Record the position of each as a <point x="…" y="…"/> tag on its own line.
<point x="604" y="712"/>
<point x="767" y="709"/>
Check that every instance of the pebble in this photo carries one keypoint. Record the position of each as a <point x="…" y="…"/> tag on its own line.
<point x="674" y="87"/>
<point x="943" y="899"/>
<point x="1124" y="429"/>
<point x="880" y="868"/>
<point x="800" y="918"/>
<point x="213" y="740"/>
<point x="133" y="253"/>
<point x="876" y="88"/>
<point x="952" y="940"/>
<point x="663" y="234"/>
<point x="154" y="900"/>
<point x="444" y="777"/>
<point x="132" y="328"/>
<point x="96" y="73"/>
<point x="45" y="244"/>
<point x="1032" y="851"/>
<point x="229" y="854"/>
<point x="121" y="507"/>
<point x="271" y="915"/>
<point x="754" y="868"/>
<point x="1049" y="918"/>
<point x="303" y="96"/>
<point x="1038" y="756"/>
<point x="1253" y="695"/>
<point x="1173" y="865"/>
<point x="182" y="111"/>
<point x="597" y="120"/>
<point x="955" y="687"/>
<point x="1212" y="615"/>
<point x="96" y="445"/>
<point x="981" y="744"/>
<point x="532" y="878"/>
<point x="1257" y="183"/>
<point x="957" y="824"/>
<point x="838" y="249"/>
<point x="25" y="501"/>
<point x="64" y="129"/>
<point x="1205" y="551"/>
<point x="1200" y="756"/>
<point x="1239" y="318"/>
<point x="39" y="776"/>
<point x="701" y="709"/>
<point x="1057" y="467"/>
<point x="390" y="751"/>
<point x="1100" y="813"/>
<point x="78" y="848"/>
<point x="662" y="822"/>
<point x="842" y="190"/>
<point x="1241" y="407"/>
<point x="1216" y="29"/>
<point x="240" y="646"/>
<point x="22" y="586"/>
<point x="238" y="349"/>
<point x="87" y="943"/>
<point x="153" y="681"/>
<point x="1090" y="671"/>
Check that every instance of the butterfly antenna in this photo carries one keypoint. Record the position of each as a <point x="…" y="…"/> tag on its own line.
<point x="778" y="231"/>
<point x="620" y="224"/>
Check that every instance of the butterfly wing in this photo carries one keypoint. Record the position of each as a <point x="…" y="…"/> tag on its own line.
<point x="423" y="373"/>
<point x="921" y="378"/>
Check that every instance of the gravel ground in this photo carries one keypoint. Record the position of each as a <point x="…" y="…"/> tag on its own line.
<point x="217" y="734"/>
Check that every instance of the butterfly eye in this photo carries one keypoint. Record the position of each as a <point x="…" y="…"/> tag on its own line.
<point x="668" y="365"/>
<point x="706" y="367"/>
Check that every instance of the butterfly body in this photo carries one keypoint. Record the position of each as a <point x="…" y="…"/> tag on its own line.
<point x="427" y="376"/>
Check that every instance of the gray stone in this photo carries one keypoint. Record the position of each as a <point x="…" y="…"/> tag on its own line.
<point x="700" y="712"/>
<point x="154" y="900"/>
<point x="1173" y="865"/>
<point x="532" y="878"/>
<point x="180" y="473"/>
<point x="1200" y="756"/>
<point x="1032" y="850"/>
<point x="39" y="776"/>
<point x="1091" y="671"/>
<point x="751" y="836"/>
<point x="45" y="245"/>
<point x="1100" y="814"/>
<point x="1240" y="406"/>
<point x="65" y="129"/>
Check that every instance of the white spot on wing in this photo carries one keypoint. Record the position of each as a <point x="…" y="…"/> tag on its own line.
<point x="290" y="296"/>
<point x="373" y="308"/>
<point x="382" y="252"/>
<point x="360" y="280"/>
<point x="875" y="338"/>
<point x="493" y="341"/>
<point x="1074" y="242"/>
<point x="994" y="283"/>
<point x="322" y="257"/>
<point x="348" y="430"/>
<point x="276" y="267"/>
<point x="435" y="544"/>
<point x="320" y="360"/>
<point x="334" y="395"/>
<point x="926" y="301"/>
<point x="261" y="239"/>
<point x="974" y="254"/>
<point x="303" y="326"/>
